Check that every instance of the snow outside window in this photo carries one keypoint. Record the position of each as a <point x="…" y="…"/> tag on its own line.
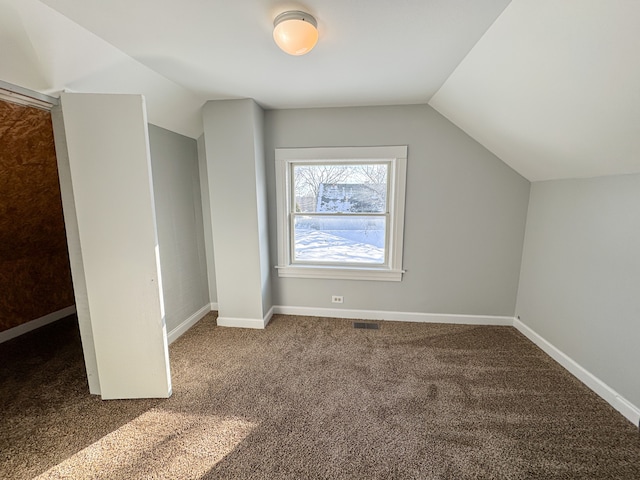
<point x="341" y="212"/>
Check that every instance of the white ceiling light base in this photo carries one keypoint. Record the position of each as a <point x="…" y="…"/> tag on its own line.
<point x="295" y="32"/>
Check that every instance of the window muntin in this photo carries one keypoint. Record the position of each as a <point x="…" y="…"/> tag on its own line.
<point x="341" y="212"/>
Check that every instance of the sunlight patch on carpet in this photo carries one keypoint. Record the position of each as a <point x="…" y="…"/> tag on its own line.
<point x="178" y="445"/>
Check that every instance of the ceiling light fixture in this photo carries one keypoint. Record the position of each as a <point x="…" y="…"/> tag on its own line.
<point x="295" y="32"/>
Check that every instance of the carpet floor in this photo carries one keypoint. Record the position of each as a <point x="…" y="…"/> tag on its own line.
<point x="314" y="398"/>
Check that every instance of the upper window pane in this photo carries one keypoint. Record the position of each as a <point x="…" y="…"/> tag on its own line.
<point x="336" y="188"/>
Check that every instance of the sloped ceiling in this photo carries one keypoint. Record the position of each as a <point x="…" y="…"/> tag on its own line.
<point x="371" y="52"/>
<point x="44" y="51"/>
<point x="551" y="86"/>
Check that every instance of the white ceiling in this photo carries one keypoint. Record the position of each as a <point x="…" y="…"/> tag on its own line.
<point x="551" y="87"/>
<point x="44" y="51"/>
<point x="371" y="52"/>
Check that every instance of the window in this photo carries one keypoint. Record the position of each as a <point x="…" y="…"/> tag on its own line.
<point x="341" y="212"/>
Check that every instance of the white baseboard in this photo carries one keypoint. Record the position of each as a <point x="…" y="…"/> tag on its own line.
<point x="257" y="323"/>
<point x="37" y="323"/>
<point x="174" y="334"/>
<point x="214" y="306"/>
<point x="394" y="316"/>
<point x="617" y="401"/>
<point x="267" y="317"/>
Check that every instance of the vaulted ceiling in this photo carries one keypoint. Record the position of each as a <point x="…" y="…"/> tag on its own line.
<point x="552" y="87"/>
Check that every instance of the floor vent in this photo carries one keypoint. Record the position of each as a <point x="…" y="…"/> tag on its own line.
<point x="367" y="326"/>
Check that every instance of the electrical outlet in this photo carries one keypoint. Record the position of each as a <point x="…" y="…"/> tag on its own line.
<point x="337" y="299"/>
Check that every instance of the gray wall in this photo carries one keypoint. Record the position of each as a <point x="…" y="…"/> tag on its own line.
<point x="234" y="146"/>
<point x="206" y="217"/>
<point x="176" y="185"/>
<point x="465" y="213"/>
<point x="580" y="279"/>
<point x="263" y="216"/>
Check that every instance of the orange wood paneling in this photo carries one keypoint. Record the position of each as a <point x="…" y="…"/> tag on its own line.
<point x="35" y="278"/>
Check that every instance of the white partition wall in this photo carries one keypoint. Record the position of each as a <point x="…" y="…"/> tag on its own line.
<point x="110" y="176"/>
<point x="75" y="252"/>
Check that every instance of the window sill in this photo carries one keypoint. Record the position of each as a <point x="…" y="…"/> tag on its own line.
<point x="340" y="273"/>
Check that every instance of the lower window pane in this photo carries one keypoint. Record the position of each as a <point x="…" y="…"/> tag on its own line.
<point x="339" y="239"/>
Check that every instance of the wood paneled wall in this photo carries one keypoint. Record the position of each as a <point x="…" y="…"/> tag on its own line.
<point x="35" y="278"/>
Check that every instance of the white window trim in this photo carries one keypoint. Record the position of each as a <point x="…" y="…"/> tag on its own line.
<point x="397" y="156"/>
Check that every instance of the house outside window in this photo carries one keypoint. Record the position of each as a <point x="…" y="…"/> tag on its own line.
<point x="341" y="212"/>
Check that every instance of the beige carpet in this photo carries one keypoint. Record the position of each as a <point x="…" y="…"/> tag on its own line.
<point x="314" y="398"/>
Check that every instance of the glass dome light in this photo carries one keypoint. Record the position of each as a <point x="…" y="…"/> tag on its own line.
<point x="295" y="32"/>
